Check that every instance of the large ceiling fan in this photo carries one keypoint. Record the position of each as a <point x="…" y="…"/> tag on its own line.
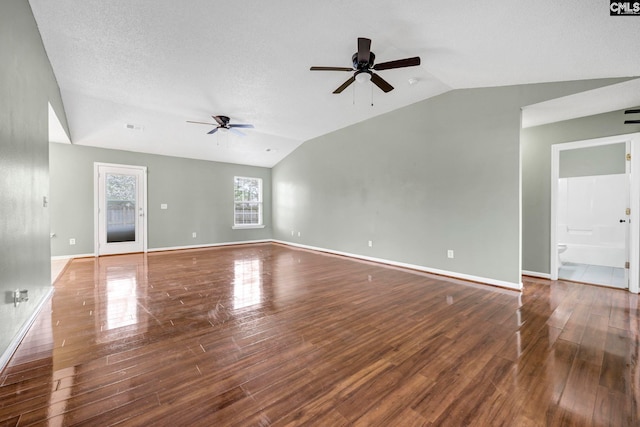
<point x="363" y="67"/>
<point x="222" y="122"/>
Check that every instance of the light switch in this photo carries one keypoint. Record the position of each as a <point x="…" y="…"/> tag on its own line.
<point x="163" y="206"/>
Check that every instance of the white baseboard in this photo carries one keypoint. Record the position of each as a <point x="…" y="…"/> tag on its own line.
<point x="13" y="345"/>
<point x="211" y="245"/>
<point x="456" y="275"/>
<point x="453" y="274"/>
<point x="74" y="256"/>
<point x="536" y="274"/>
<point x="169" y="248"/>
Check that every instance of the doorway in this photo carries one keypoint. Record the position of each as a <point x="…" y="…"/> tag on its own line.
<point x="120" y="209"/>
<point x="593" y="231"/>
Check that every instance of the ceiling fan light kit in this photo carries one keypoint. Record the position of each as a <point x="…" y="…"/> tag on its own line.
<point x="364" y="65"/>
<point x="363" y="76"/>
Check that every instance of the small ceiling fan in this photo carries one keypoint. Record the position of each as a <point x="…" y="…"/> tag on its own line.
<point x="363" y="67"/>
<point x="632" y="122"/>
<point x="222" y="122"/>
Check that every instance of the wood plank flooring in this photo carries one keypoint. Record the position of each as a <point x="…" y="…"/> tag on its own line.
<point x="266" y="335"/>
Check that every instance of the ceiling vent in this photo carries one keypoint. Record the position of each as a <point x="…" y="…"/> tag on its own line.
<point x="134" y="127"/>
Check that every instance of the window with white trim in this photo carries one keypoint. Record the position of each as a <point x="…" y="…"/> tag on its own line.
<point x="247" y="202"/>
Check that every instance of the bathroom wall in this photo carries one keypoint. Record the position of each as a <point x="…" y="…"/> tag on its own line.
<point x="600" y="160"/>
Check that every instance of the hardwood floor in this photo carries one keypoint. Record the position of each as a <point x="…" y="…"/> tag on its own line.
<point x="270" y="335"/>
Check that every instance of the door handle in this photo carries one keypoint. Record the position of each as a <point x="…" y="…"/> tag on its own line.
<point x="623" y="220"/>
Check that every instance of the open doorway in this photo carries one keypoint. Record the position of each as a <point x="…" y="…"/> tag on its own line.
<point x="593" y="237"/>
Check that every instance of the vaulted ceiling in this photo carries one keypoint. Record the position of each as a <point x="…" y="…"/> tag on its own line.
<point x="132" y="72"/>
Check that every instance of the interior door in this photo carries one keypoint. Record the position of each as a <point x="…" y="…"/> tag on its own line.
<point x="121" y="209"/>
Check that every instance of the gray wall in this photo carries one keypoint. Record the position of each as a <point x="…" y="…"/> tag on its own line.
<point x="27" y="84"/>
<point x="199" y="195"/>
<point x="602" y="160"/>
<point x="536" y="145"/>
<point x="440" y="174"/>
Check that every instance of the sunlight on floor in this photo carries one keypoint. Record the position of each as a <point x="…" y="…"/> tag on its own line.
<point x="57" y="267"/>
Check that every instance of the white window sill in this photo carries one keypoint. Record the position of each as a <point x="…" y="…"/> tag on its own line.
<point x="245" y="227"/>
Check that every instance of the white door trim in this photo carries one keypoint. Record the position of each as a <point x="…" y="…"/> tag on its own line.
<point x="96" y="203"/>
<point x="633" y="168"/>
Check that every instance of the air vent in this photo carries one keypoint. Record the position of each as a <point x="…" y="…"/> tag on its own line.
<point x="134" y="127"/>
<point x="632" y="122"/>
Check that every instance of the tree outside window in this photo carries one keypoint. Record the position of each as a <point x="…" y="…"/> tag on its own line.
<point x="248" y="201"/>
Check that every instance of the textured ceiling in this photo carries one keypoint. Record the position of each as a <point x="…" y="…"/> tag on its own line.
<point x="156" y="63"/>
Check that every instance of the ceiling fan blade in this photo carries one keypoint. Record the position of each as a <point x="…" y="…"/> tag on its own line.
<point x="632" y="122"/>
<point x="400" y="63"/>
<point x="236" y="131"/>
<point x="345" y="85"/>
<point x="219" y="120"/>
<point x="364" y="50"/>
<point x="212" y="131"/>
<point x="381" y="83"/>
<point x="331" y="69"/>
<point x="248" y="126"/>
<point x="632" y="112"/>
<point x="202" y="123"/>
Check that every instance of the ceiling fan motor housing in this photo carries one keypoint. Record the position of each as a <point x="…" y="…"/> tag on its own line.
<point x="363" y="65"/>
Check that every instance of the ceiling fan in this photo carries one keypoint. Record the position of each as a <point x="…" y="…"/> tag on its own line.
<point x="632" y="122"/>
<point x="222" y="122"/>
<point x="363" y="67"/>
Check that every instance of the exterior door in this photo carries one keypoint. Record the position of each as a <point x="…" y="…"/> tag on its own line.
<point x="120" y="209"/>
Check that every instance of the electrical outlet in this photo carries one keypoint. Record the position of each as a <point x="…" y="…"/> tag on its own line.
<point x="193" y="234"/>
<point x="163" y="206"/>
<point x="370" y="243"/>
<point x="450" y="253"/>
<point x="293" y="232"/>
<point x="72" y="241"/>
<point x="298" y="234"/>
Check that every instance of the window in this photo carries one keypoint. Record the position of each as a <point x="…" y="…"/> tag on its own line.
<point x="247" y="202"/>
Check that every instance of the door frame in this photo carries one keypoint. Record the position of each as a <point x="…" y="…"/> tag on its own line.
<point x="96" y="203"/>
<point x="632" y="167"/>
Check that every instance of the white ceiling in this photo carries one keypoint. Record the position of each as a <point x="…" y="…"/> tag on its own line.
<point x="156" y="63"/>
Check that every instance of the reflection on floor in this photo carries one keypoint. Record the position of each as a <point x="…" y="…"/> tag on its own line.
<point x="596" y="274"/>
<point x="57" y="266"/>
<point x="266" y="334"/>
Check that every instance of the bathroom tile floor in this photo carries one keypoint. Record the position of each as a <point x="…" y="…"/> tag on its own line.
<point x="596" y="274"/>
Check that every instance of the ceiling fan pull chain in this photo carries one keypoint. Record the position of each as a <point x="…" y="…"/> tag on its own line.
<point x="371" y="94"/>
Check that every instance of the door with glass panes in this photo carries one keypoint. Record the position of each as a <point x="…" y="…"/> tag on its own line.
<point x="121" y="216"/>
